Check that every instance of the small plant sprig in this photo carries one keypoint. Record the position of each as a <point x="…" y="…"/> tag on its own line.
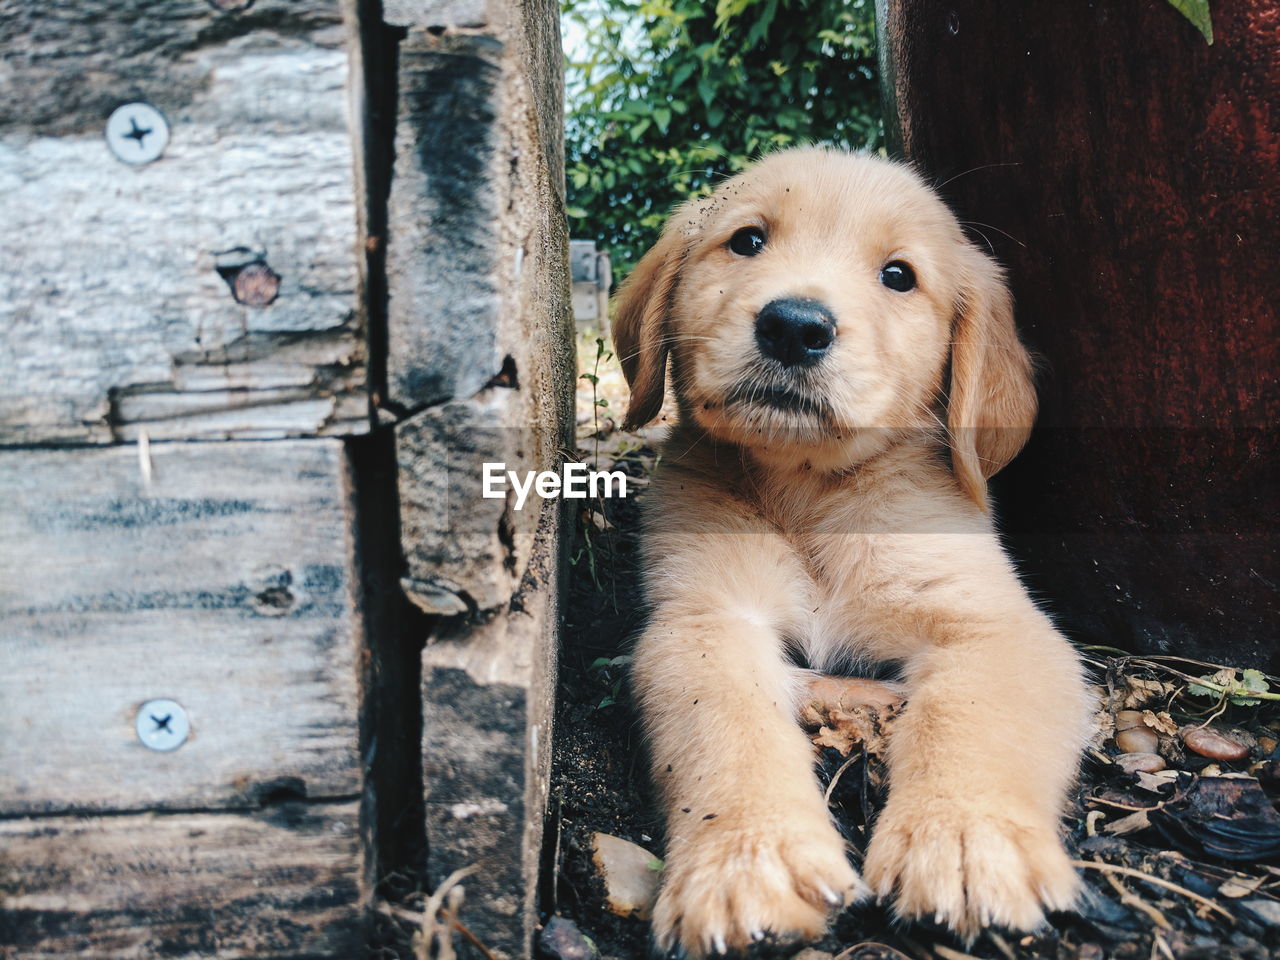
<point x="1249" y="690"/>
<point x="598" y="403"/>
<point x="613" y="670"/>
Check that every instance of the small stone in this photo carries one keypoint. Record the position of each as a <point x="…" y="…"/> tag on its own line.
<point x="1267" y="745"/>
<point x="1215" y="743"/>
<point x="631" y="875"/>
<point x="1140" y="762"/>
<point x="1266" y="911"/>
<point x="1128" y="719"/>
<point x="809" y="953"/>
<point x="1140" y="739"/>
<point x="562" y="940"/>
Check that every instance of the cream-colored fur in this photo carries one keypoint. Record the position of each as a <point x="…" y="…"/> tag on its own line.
<point x="853" y="529"/>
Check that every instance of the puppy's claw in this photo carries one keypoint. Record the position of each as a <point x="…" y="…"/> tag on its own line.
<point x="757" y="935"/>
<point x="720" y="946"/>
<point x="829" y="895"/>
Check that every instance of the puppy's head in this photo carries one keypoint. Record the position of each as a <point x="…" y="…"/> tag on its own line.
<point x="812" y="307"/>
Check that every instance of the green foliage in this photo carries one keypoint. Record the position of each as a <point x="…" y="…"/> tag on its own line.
<point x="666" y="97"/>
<point x="1197" y="11"/>
<point x="613" y="671"/>
<point x="1224" y="683"/>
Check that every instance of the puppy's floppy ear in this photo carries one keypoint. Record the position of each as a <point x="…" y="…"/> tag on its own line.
<point x="640" y="322"/>
<point x="992" y="398"/>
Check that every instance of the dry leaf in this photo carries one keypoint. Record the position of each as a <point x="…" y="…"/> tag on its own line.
<point x="1156" y="782"/>
<point x="1140" y="691"/>
<point x="1240" y="886"/>
<point x="1104" y="726"/>
<point x="1160" y="722"/>
<point x="836" y="739"/>
<point x="849" y="712"/>
<point x="1130" y="824"/>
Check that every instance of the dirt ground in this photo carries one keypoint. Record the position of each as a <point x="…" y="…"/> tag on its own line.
<point x="1179" y="863"/>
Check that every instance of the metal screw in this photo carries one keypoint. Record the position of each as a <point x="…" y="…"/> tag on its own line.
<point x="162" y="725"/>
<point x="255" y="285"/>
<point x="137" y="133"/>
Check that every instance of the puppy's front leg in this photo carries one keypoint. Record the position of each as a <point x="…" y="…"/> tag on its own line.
<point x="982" y="756"/>
<point x="751" y="849"/>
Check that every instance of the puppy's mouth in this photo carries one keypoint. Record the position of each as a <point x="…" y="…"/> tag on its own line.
<point x="774" y="397"/>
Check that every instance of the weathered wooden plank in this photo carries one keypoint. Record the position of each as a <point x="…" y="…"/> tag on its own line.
<point x="445" y="263"/>
<point x="478" y="311"/>
<point x="287" y="881"/>
<point x="225" y="583"/>
<point x="117" y="309"/>
<point x="480" y="356"/>
<point x="466" y="553"/>
<point x="487" y="695"/>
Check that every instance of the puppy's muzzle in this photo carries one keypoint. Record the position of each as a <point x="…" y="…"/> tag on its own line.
<point x="796" y="333"/>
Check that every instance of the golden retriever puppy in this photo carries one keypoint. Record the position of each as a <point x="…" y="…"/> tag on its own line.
<point x="847" y="375"/>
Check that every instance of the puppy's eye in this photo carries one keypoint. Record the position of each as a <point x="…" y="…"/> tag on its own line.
<point x="747" y="242"/>
<point x="897" y="275"/>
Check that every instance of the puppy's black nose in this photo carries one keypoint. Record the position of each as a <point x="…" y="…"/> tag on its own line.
<point x="795" y="332"/>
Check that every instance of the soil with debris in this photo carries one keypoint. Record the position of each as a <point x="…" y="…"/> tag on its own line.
<point x="1177" y="835"/>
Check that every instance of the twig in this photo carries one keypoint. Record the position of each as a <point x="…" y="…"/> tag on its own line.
<point x="401" y="913"/>
<point x="432" y="928"/>
<point x="948" y="954"/>
<point x="1124" y="806"/>
<point x="1001" y="945"/>
<point x="1222" y="708"/>
<point x="849" y="953"/>
<point x="475" y="941"/>
<point x="1157" y="881"/>
<point x="1234" y="691"/>
<point x="1130" y="899"/>
<point x="835" y="778"/>
<point x="415" y="918"/>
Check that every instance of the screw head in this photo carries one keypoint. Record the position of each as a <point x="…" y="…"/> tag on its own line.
<point x="162" y="725"/>
<point x="255" y="285"/>
<point x="137" y="133"/>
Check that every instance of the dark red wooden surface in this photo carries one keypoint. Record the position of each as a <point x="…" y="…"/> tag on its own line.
<point x="1129" y="176"/>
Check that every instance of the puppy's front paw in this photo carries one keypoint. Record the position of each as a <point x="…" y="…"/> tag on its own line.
<point x="968" y="865"/>
<point x="737" y="879"/>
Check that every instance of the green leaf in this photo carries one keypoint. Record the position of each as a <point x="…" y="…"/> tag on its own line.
<point x="1197" y="11"/>
<point x="577" y="213"/>
<point x="706" y="90"/>
<point x="656" y="865"/>
<point x="1198" y="691"/>
<point x="1215" y="686"/>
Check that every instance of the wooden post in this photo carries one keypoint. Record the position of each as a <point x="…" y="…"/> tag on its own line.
<point x="481" y="359"/>
<point x="1126" y="172"/>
